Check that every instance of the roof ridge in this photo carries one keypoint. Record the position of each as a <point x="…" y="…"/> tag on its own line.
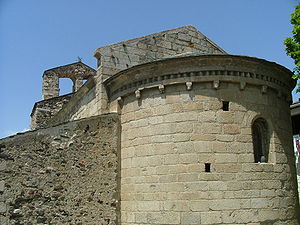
<point x="70" y="64"/>
<point x="159" y="33"/>
<point x="148" y="35"/>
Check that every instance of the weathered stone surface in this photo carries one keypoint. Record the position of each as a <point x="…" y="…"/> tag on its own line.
<point x="62" y="175"/>
<point x="2" y="186"/>
<point x="44" y="110"/>
<point x="2" y="207"/>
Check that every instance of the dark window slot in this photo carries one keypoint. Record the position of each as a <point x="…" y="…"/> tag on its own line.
<point x="207" y="167"/>
<point x="225" y="106"/>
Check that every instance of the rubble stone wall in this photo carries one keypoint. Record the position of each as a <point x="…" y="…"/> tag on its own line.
<point x="66" y="174"/>
<point x="44" y="110"/>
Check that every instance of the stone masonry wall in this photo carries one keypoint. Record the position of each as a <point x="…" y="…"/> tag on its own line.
<point x="168" y="137"/>
<point x="120" y="56"/>
<point x="188" y="159"/>
<point x="66" y="174"/>
<point x="44" y="110"/>
<point x="79" y="102"/>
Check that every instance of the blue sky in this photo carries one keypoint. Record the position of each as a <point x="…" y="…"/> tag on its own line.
<point x="37" y="35"/>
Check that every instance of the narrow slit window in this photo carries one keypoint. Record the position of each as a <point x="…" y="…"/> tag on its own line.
<point x="225" y="105"/>
<point x="207" y="167"/>
<point x="261" y="140"/>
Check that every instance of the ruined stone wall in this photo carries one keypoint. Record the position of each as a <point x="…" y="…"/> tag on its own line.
<point x="173" y="125"/>
<point x="44" y="110"/>
<point x="66" y="174"/>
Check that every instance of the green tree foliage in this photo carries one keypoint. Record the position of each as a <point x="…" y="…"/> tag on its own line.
<point x="293" y="43"/>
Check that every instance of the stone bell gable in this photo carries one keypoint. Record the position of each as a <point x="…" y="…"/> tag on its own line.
<point x="52" y="101"/>
<point x="77" y="72"/>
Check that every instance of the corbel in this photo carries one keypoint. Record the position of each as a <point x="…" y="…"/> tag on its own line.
<point x="189" y="85"/>
<point x="264" y="89"/>
<point x="120" y="100"/>
<point x="138" y="93"/>
<point x="161" y="88"/>
<point x="216" y="84"/>
<point x="242" y="85"/>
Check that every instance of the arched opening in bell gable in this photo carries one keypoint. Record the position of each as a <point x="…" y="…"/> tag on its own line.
<point x="66" y="86"/>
